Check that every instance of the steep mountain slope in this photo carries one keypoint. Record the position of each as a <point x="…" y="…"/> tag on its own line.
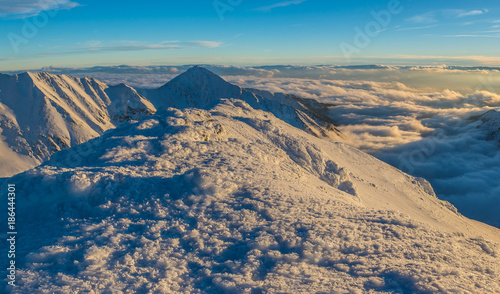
<point x="43" y="113"/>
<point x="200" y="88"/>
<point x="231" y="199"/>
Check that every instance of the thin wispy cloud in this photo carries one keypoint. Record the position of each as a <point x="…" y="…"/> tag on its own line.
<point x="28" y="8"/>
<point x="129" y="46"/>
<point x="472" y="13"/>
<point x="477" y="59"/>
<point x="416" y="28"/>
<point x="280" y="4"/>
<point x="490" y="33"/>
<point x="436" y="16"/>
<point x="472" y="60"/>
<point x="126" y="46"/>
<point x="429" y="17"/>
<point x="472" y="36"/>
<point x="206" y="44"/>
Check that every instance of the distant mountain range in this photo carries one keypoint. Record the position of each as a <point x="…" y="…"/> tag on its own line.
<point x="42" y="113"/>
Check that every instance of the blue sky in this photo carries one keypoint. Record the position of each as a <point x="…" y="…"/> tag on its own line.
<point x="82" y="33"/>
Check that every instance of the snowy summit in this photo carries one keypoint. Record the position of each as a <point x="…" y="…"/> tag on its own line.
<point x="231" y="190"/>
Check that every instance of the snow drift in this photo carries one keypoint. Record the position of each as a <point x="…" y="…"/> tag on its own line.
<point x="225" y="197"/>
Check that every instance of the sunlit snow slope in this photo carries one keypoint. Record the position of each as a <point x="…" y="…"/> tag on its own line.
<point x="42" y="113"/>
<point x="231" y="199"/>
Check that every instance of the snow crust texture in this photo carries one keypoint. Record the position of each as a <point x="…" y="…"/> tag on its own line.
<point x="232" y="199"/>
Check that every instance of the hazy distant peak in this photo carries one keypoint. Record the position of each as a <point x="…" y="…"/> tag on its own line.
<point x="491" y="122"/>
<point x="491" y="118"/>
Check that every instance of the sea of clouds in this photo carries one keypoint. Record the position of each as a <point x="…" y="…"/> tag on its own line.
<point x="423" y="120"/>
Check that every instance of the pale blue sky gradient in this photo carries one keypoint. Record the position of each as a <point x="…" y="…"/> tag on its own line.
<point x="83" y="33"/>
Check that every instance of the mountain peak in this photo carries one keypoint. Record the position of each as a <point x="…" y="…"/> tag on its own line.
<point x="200" y="88"/>
<point x="197" y="87"/>
<point x="200" y="76"/>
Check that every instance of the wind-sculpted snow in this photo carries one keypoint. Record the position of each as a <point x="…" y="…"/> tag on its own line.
<point x="42" y="113"/>
<point x="230" y="199"/>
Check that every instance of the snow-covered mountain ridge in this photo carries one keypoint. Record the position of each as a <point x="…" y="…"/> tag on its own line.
<point x="200" y="88"/>
<point x="231" y="199"/>
<point x="41" y="113"/>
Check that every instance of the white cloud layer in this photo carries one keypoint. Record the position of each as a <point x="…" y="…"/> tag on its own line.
<point x="423" y="78"/>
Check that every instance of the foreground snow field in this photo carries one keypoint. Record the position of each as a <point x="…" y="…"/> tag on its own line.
<point x="231" y="199"/>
